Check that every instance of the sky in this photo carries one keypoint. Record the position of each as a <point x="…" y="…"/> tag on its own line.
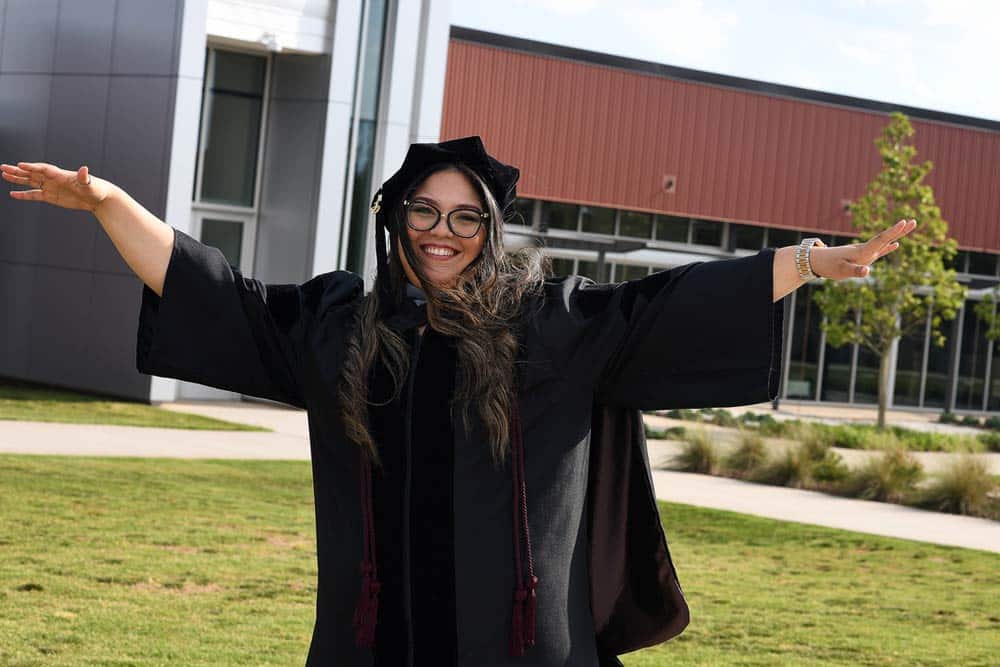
<point x="933" y="54"/>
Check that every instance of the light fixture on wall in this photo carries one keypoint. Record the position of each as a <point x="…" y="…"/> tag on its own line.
<point x="669" y="183"/>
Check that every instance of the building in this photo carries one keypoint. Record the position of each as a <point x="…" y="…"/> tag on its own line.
<point x="690" y="165"/>
<point x="264" y="126"/>
<point x="257" y="126"/>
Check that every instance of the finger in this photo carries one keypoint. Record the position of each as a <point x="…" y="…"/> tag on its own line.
<point x="888" y="234"/>
<point x="10" y="169"/>
<point x="889" y="248"/>
<point x="83" y="175"/>
<point x="27" y="195"/>
<point x="42" y="168"/>
<point x="20" y="180"/>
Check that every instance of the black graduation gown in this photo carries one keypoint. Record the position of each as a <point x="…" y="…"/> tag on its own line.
<point x="593" y="355"/>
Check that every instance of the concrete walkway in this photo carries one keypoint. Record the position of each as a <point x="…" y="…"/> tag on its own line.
<point x="290" y="440"/>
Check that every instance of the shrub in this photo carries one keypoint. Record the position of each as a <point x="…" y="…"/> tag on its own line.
<point x="830" y="471"/>
<point x="699" y="454"/>
<point x="890" y="477"/>
<point x="992" y="423"/>
<point x="749" y="455"/>
<point x="964" y="487"/>
<point x="947" y="417"/>
<point x="654" y="433"/>
<point x="724" y="418"/>
<point x="787" y="469"/>
<point x="970" y="420"/>
<point x="991" y="441"/>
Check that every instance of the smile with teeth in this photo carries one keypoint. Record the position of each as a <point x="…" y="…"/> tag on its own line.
<point x="438" y="251"/>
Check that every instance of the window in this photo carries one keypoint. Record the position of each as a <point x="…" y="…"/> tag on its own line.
<point x="745" y="237"/>
<point x="559" y="216"/>
<point x="233" y="98"/>
<point x="588" y="269"/>
<point x="562" y="266"/>
<point x="638" y="225"/>
<point x="982" y="263"/>
<point x="523" y="212"/>
<point x="597" y="220"/>
<point x="625" y="272"/>
<point x="706" y="232"/>
<point x="779" y="238"/>
<point x="226" y="235"/>
<point x="671" y="228"/>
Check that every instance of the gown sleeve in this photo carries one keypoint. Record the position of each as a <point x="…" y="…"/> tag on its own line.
<point x="703" y="334"/>
<point x="216" y="327"/>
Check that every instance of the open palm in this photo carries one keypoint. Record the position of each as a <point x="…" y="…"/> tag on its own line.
<point x="59" y="187"/>
<point x="852" y="261"/>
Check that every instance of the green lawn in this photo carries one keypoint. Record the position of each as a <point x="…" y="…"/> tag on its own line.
<point x="116" y="561"/>
<point x="25" y="401"/>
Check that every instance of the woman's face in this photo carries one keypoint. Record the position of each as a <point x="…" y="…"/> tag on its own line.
<point x="444" y="255"/>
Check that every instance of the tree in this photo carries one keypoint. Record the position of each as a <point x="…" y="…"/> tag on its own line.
<point x="892" y="301"/>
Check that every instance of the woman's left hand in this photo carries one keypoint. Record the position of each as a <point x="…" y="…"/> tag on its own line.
<point x="852" y="261"/>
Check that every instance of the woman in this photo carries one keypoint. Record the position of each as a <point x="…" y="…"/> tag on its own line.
<point x="465" y="445"/>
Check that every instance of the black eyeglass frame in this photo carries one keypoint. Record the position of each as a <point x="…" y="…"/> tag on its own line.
<point x="483" y="215"/>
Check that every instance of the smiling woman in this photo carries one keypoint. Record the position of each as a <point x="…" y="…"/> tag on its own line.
<point x="482" y="490"/>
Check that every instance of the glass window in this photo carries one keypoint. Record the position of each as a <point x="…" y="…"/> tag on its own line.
<point x="562" y="266"/>
<point x="597" y="220"/>
<point x="958" y="262"/>
<point x="779" y="238"/>
<point x="672" y="228"/>
<point x="803" y="362"/>
<point x="939" y="361"/>
<point x="630" y="272"/>
<point x="836" y="373"/>
<point x="588" y="269"/>
<point x="226" y="235"/>
<point x="909" y="359"/>
<point x="369" y="74"/>
<point x="706" y="232"/>
<point x="235" y="101"/>
<point x="559" y="216"/>
<point x="982" y="263"/>
<point x="971" y="361"/>
<point x="745" y="237"/>
<point x="523" y="212"/>
<point x="841" y="240"/>
<point x="638" y="225"/>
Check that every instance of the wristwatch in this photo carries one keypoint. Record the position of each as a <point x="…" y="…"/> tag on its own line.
<point x="802" y="257"/>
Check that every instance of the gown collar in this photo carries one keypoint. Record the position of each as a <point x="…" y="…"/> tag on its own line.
<point x="412" y="312"/>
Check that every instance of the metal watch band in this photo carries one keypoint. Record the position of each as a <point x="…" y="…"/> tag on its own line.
<point x="803" y="258"/>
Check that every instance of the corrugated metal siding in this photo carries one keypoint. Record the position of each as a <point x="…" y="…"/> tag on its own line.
<point x="588" y="133"/>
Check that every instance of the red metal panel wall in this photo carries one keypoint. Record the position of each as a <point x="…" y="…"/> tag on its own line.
<point x="589" y="133"/>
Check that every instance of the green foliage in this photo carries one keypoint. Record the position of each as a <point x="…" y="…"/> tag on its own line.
<point x="991" y="441"/>
<point x="699" y="454"/>
<point x="891" y="477"/>
<point x="992" y="423"/>
<point x="964" y="487"/>
<point x="750" y="454"/>
<point x="875" y="310"/>
<point x="970" y="420"/>
<point x="947" y="417"/>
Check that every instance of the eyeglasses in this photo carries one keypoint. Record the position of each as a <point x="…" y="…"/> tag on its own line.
<point x="424" y="216"/>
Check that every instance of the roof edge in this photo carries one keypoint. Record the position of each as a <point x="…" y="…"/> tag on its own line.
<point x="712" y="78"/>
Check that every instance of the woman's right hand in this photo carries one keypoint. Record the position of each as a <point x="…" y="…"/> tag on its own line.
<point x="60" y="187"/>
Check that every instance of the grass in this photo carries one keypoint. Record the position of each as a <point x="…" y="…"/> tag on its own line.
<point x="23" y="401"/>
<point x="118" y="561"/>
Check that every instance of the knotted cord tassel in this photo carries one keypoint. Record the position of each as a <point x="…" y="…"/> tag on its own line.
<point x="366" y="610"/>
<point x="529" y="613"/>
<point x="517" y="624"/>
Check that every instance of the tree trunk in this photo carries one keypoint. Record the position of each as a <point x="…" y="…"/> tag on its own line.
<point x="883" y="387"/>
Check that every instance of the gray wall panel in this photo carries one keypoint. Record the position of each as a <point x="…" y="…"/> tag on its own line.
<point x="291" y="168"/>
<point x="145" y="37"/>
<point x="23" y="114"/>
<point x="139" y="107"/>
<point x="17" y="283"/>
<point x="84" y="38"/>
<point x="68" y="300"/>
<point x="29" y="36"/>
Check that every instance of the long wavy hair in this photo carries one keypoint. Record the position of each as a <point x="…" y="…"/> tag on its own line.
<point x="483" y="310"/>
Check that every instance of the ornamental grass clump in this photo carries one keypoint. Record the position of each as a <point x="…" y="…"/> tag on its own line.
<point x="964" y="487"/>
<point x="811" y="464"/>
<point x="699" y="454"/>
<point x="889" y="477"/>
<point x="750" y="454"/>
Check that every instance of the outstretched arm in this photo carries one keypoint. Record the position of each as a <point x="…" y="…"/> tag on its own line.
<point x="838" y="262"/>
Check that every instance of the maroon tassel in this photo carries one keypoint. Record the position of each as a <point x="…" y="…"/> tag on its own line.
<point x="517" y="624"/>
<point x="529" y="614"/>
<point x="366" y="610"/>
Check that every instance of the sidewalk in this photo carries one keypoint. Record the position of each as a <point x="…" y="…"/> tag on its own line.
<point x="291" y="441"/>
